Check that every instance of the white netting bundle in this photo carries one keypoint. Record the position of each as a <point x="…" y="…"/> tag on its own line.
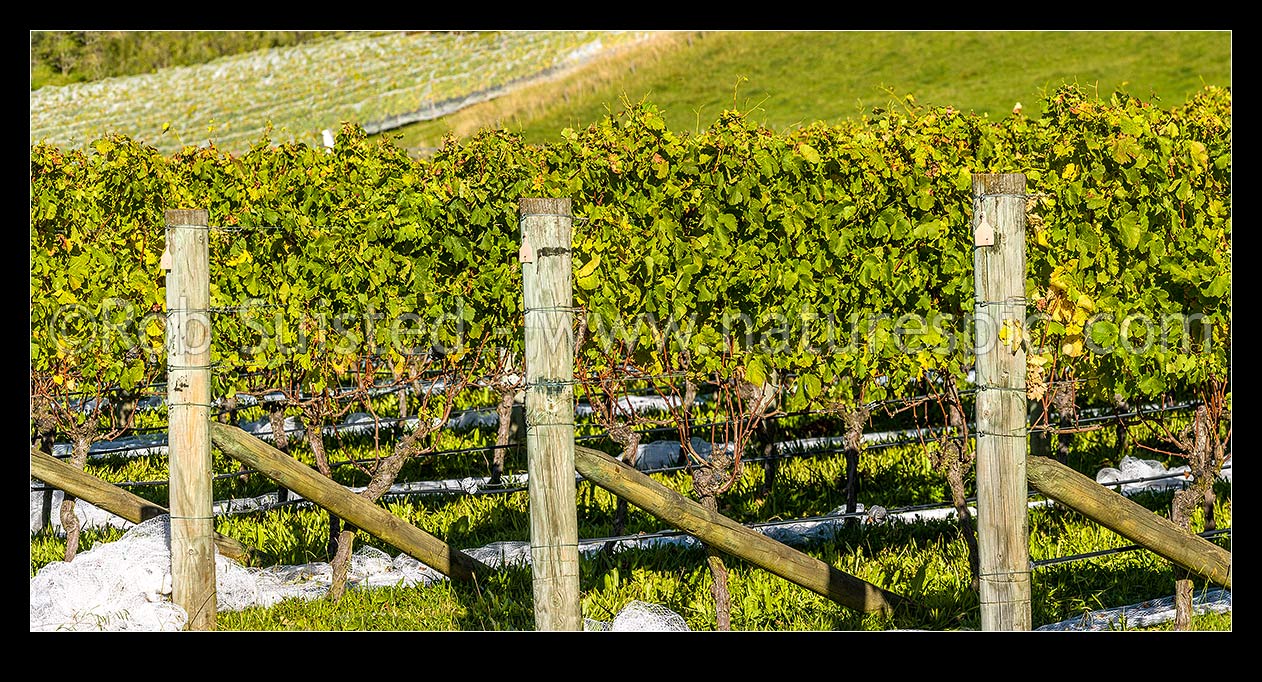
<point x="1135" y="470"/>
<point x="122" y="585"/>
<point x="1144" y="614"/>
<point x="126" y="584"/>
<point x="638" y="616"/>
<point x="370" y="567"/>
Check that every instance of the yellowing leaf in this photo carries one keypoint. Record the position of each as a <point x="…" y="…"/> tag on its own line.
<point x="1058" y="307"/>
<point x="808" y="152"/>
<point x="1040" y="238"/>
<point x="1072" y="346"/>
<point x="587" y="283"/>
<point x="1199" y="155"/>
<point x="1038" y="360"/>
<point x="588" y="268"/>
<point x="243" y="257"/>
<point x="1059" y="279"/>
<point x="754" y="372"/>
<point x="1010" y="334"/>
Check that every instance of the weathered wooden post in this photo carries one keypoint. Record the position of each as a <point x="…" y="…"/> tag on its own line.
<point x="188" y="333"/>
<point x="549" y="336"/>
<point x="999" y="315"/>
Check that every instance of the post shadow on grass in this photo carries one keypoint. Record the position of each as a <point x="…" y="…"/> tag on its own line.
<point x="500" y="601"/>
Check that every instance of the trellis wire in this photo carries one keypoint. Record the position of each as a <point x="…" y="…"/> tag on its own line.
<point x="756" y="459"/>
<point x="487" y="490"/>
<point x="391" y="422"/>
<point x="1044" y="563"/>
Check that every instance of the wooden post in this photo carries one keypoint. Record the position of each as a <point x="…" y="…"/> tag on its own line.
<point x="549" y="335"/>
<point x="188" y="401"/>
<point x="345" y="504"/>
<point x="1003" y="539"/>
<point x="115" y="500"/>
<point x="718" y="531"/>
<point x="1130" y="520"/>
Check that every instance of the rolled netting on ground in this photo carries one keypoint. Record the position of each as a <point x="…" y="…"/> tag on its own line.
<point x="126" y="584"/>
<point x="1144" y="614"/>
<point x="117" y="586"/>
<point x="638" y="616"/>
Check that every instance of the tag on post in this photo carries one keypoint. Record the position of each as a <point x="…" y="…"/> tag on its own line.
<point x="165" y="264"/>
<point x="984" y="234"/>
<point x="527" y="253"/>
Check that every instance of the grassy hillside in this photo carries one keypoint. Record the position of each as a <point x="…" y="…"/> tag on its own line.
<point x="378" y="80"/>
<point x="786" y="78"/>
<point x="783" y="78"/>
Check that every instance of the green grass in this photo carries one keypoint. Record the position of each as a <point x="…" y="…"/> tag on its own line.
<point x="782" y="78"/>
<point x="926" y="562"/>
<point x="1204" y="623"/>
<point x="787" y="79"/>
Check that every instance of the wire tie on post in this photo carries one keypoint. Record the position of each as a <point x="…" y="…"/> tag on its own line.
<point x="553" y="309"/>
<point x="243" y="228"/>
<point x="1014" y="300"/>
<point x="992" y="574"/>
<point x="979" y="434"/>
<point x="238" y="309"/>
<point x="544" y="215"/>
<point x="549" y="546"/>
<point x="552" y="383"/>
<point x="1002" y="388"/>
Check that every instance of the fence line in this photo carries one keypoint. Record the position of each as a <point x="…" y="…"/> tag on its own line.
<point x="871" y="515"/>
<point x="389" y="423"/>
